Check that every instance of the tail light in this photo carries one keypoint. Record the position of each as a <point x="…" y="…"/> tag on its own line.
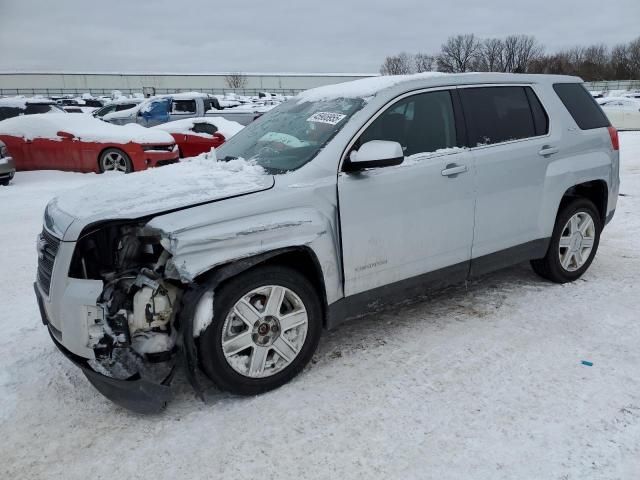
<point x="613" y="133"/>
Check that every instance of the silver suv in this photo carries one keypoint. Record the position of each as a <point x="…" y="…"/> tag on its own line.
<point x="343" y="198"/>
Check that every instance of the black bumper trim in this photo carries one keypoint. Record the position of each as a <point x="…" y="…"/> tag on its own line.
<point x="133" y="393"/>
<point x="609" y="216"/>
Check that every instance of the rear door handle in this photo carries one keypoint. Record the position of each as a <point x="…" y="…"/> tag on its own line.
<point x="547" y="150"/>
<point x="453" y="169"/>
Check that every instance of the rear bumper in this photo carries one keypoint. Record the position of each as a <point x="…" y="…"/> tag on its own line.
<point x="133" y="393"/>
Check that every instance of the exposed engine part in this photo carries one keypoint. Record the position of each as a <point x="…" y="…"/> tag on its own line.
<point x="152" y="307"/>
<point x="137" y="305"/>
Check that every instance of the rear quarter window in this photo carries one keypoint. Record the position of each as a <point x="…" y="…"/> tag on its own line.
<point x="581" y="105"/>
<point x="499" y="114"/>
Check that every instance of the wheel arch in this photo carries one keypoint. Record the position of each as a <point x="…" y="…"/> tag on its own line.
<point x="301" y="258"/>
<point x="112" y="147"/>
<point x="595" y="190"/>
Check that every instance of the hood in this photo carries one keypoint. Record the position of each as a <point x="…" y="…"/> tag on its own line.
<point x="192" y="182"/>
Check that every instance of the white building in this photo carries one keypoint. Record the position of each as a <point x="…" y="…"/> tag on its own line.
<point x="103" y="83"/>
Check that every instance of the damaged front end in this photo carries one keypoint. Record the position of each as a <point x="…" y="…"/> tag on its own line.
<point x="135" y="339"/>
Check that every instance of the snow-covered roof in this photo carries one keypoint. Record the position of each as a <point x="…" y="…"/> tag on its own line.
<point x="21" y="102"/>
<point x="125" y="100"/>
<point x="364" y="87"/>
<point x="368" y="87"/>
<point x="84" y="127"/>
<point x="226" y="127"/>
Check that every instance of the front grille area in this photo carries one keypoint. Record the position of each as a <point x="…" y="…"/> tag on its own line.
<point x="47" y="250"/>
<point x="159" y="148"/>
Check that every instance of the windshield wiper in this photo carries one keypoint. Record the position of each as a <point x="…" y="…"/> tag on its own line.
<point x="228" y="158"/>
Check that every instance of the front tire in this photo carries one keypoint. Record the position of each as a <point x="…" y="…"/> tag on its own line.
<point x="575" y="240"/>
<point x="266" y="326"/>
<point x="114" y="160"/>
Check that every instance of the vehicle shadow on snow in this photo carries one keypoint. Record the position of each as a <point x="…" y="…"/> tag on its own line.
<point x="473" y="301"/>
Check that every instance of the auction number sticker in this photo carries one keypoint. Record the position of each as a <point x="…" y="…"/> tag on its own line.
<point x="326" y="117"/>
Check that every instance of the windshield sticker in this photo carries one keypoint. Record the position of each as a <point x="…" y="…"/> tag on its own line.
<point x="326" y="117"/>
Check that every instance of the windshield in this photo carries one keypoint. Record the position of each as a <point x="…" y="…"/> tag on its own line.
<point x="291" y="134"/>
<point x="33" y="108"/>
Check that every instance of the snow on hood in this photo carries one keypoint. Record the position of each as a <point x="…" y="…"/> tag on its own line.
<point x="192" y="181"/>
<point x="365" y="87"/>
<point x="84" y="127"/>
<point x="226" y="127"/>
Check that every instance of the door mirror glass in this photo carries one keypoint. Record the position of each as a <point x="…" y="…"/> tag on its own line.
<point x="375" y="154"/>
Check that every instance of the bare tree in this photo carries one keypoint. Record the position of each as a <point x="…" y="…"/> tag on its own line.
<point x="236" y="80"/>
<point x="423" y="62"/>
<point x="596" y="63"/>
<point x="397" y="65"/>
<point x="492" y="54"/>
<point x="527" y="50"/>
<point x="458" y="53"/>
<point x="620" y="63"/>
<point x="519" y="51"/>
<point x="523" y="53"/>
<point x="633" y="53"/>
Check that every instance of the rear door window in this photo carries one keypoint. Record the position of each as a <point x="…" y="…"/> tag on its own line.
<point x="501" y="114"/>
<point x="581" y="105"/>
<point x="422" y="123"/>
<point x="203" y="127"/>
<point x="10" y="112"/>
<point x="33" y="108"/>
<point x="124" y="106"/>
<point x="183" y="106"/>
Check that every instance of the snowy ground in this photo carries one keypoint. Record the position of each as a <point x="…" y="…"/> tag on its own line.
<point x="482" y="382"/>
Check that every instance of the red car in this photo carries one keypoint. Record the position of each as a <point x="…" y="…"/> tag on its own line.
<point x="199" y="135"/>
<point x="82" y="143"/>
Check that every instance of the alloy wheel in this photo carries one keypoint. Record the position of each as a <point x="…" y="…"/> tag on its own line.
<point x="264" y="331"/>
<point x="576" y="241"/>
<point x="114" y="161"/>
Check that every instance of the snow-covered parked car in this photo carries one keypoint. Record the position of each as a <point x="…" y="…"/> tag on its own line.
<point x="199" y="135"/>
<point x="16" y="106"/>
<point x="178" y="106"/>
<point x="84" y="144"/>
<point x="117" y="105"/>
<point x="623" y="112"/>
<point x="7" y="165"/>
<point x="345" y="198"/>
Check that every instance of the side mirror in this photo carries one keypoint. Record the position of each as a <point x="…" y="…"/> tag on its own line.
<point x="67" y="135"/>
<point x="375" y="154"/>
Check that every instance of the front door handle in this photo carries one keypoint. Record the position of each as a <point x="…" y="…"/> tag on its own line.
<point x="547" y="150"/>
<point x="453" y="169"/>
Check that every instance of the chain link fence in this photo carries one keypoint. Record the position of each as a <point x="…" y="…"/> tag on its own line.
<point x="608" y="85"/>
<point x="604" y="85"/>
<point x="96" y="92"/>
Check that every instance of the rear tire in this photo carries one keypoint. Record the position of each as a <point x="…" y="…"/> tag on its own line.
<point x="114" y="159"/>
<point x="266" y="326"/>
<point x="574" y="242"/>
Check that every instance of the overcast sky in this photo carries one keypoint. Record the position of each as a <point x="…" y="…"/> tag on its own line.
<point x="191" y="36"/>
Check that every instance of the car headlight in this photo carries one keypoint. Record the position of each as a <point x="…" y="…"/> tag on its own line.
<point x="4" y="151"/>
